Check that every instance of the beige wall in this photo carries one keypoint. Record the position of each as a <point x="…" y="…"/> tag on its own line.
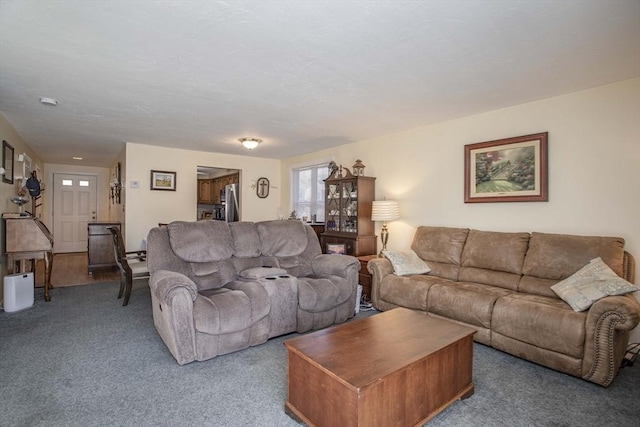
<point x="146" y="208"/>
<point x="594" y="168"/>
<point x="7" y="191"/>
<point x="117" y="211"/>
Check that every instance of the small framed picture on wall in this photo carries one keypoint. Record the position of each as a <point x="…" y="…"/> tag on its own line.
<point x="163" y="180"/>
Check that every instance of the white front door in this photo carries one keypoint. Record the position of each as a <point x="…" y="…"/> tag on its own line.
<point x="75" y="203"/>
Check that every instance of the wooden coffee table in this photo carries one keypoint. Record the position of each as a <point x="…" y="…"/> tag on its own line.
<point x="397" y="368"/>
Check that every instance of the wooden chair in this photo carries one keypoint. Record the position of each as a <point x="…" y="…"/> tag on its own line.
<point x="132" y="265"/>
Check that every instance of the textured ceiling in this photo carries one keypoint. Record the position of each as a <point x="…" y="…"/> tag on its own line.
<point x="301" y="75"/>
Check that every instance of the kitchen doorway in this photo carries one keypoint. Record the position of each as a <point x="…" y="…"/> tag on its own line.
<point x="218" y="194"/>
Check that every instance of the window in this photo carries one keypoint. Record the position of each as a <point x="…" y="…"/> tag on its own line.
<point x="84" y="183"/>
<point x="67" y="182"/>
<point x="307" y="197"/>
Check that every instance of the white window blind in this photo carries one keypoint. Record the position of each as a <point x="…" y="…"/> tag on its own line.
<point x="307" y="197"/>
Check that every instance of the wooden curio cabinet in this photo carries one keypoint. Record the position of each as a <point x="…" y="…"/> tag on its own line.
<point x="348" y="200"/>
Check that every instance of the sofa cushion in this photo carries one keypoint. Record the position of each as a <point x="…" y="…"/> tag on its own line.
<point x="443" y="270"/>
<point x="537" y="286"/>
<point x="558" y="256"/>
<point x="222" y="311"/>
<point x="408" y="291"/>
<point x="470" y="303"/>
<point x="295" y="265"/>
<point x="540" y="321"/>
<point x="494" y="258"/>
<point x="441" y="248"/>
<point x="246" y="240"/>
<point x="554" y="257"/>
<point x="302" y="265"/>
<point x="406" y="262"/>
<point x="212" y="275"/>
<point x="440" y="244"/>
<point x="282" y="238"/>
<point x="592" y="282"/>
<point x="497" y="251"/>
<point x="489" y="277"/>
<point x="322" y="294"/>
<point x="201" y="241"/>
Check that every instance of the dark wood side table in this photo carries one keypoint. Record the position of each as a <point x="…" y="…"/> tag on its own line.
<point x="364" y="277"/>
<point x="318" y="227"/>
<point x="100" y="250"/>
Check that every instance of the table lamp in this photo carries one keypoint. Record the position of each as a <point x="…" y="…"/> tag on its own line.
<point x="384" y="210"/>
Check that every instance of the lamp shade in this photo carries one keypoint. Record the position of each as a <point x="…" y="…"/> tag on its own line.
<point x="384" y="210"/>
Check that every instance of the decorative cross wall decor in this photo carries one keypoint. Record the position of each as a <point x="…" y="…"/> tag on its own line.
<point x="262" y="188"/>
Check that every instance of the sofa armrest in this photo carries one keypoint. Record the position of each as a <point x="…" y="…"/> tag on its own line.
<point x="173" y="296"/>
<point x="608" y="323"/>
<point x="334" y="265"/>
<point x="164" y="282"/>
<point x="379" y="268"/>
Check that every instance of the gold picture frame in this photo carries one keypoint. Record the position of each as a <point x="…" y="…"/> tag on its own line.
<point x="507" y="170"/>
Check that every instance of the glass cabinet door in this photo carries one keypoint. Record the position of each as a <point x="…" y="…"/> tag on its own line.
<point x="333" y="207"/>
<point x="349" y="207"/>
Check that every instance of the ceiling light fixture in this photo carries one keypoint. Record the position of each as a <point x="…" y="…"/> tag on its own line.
<point x="250" y="143"/>
<point x="76" y="158"/>
<point x="49" y="101"/>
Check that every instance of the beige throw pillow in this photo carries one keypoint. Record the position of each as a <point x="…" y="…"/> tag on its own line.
<point x="592" y="282"/>
<point x="406" y="262"/>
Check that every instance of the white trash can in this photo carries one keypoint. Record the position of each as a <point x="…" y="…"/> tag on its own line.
<point x="18" y="292"/>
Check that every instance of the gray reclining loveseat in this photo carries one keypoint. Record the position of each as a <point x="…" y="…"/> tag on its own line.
<point x="219" y="287"/>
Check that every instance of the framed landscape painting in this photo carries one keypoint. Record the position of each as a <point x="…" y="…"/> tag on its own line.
<point x="163" y="180"/>
<point x="506" y="170"/>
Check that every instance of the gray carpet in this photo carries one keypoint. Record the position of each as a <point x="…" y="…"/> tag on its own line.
<point x="84" y="360"/>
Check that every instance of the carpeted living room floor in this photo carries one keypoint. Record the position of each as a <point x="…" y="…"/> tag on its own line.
<point x="85" y="360"/>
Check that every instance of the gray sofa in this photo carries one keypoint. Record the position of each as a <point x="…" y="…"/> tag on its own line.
<point x="500" y="285"/>
<point x="219" y="287"/>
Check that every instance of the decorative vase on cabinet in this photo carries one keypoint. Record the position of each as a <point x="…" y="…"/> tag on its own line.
<point x="348" y="200"/>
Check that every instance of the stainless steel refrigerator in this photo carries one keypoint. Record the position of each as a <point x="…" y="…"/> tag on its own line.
<point x="231" y="203"/>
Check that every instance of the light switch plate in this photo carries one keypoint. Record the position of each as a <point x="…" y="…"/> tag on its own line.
<point x="135" y="184"/>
